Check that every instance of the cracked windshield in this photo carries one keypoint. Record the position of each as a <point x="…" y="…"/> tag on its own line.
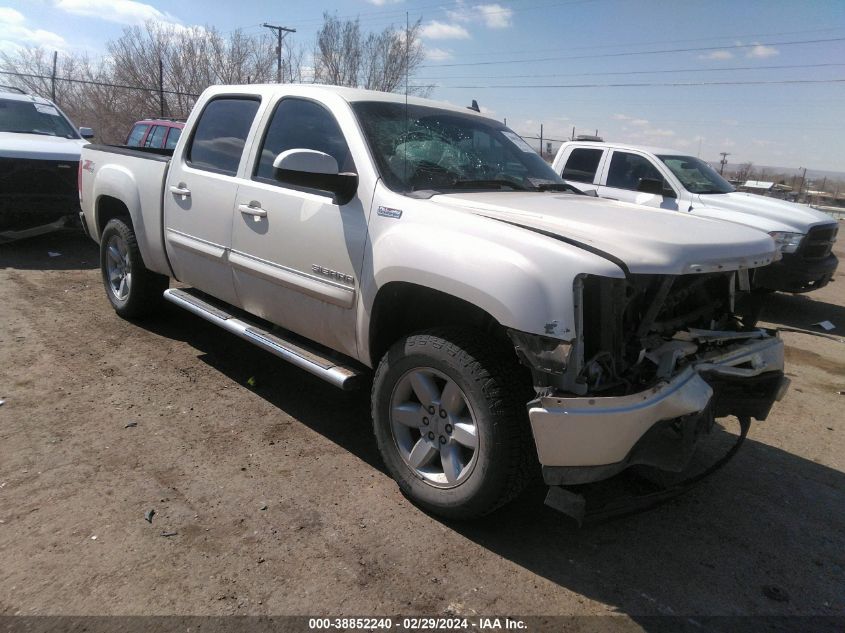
<point x="434" y="149"/>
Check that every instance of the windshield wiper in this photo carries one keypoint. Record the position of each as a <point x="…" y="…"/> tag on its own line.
<point x="480" y="184"/>
<point x="558" y="186"/>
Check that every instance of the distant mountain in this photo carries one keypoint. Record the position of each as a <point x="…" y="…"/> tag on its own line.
<point x="812" y="174"/>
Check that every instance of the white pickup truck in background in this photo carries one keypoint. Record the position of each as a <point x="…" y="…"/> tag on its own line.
<point x="669" y="179"/>
<point x="39" y="159"/>
<point x="500" y="317"/>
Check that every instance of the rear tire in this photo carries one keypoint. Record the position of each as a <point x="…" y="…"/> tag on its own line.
<point x="475" y="452"/>
<point x="133" y="291"/>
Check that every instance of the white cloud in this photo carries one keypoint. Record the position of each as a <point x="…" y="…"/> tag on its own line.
<point x="15" y="33"/>
<point x="435" y="30"/>
<point x="381" y="3"/>
<point x="119" y="11"/>
<point x="761" y="51"/>
<point x="720" y="55"/>
<point x="495" y="16"/>
<point x="630" y="119"/>
<point x="11" y="16"/>
<point x="487" y="111"/>
<point x="437" y="54"/>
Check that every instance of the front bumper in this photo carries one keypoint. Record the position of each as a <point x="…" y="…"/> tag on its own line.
<point x="793" y="273"/>
<point x="586" y="439"/>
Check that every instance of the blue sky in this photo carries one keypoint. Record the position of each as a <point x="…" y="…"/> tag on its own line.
<point x="488" y="49"/>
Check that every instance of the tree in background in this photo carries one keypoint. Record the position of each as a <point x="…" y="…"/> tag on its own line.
<point x="114" y="92"/>
<point x="744" y="172"/>
<point x="111" y="93"/>
<point x="344" y="56"/>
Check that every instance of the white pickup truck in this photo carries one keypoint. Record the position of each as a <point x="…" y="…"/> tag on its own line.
<point x="39" y="156"/>
<point x="669" y="179"/>
<point x="430" y="252"/>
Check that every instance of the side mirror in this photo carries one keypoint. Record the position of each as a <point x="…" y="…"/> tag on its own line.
<point x="315" y="170"/>
<point x="656" y="187"/>
<point x="86" y="132"/>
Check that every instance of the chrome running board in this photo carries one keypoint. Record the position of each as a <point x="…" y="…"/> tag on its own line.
<point x="309" y="359"/>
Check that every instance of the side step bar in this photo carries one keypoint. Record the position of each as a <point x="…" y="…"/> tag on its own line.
<point x="322" y="366"/>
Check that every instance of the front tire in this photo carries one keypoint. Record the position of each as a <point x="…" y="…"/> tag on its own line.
<point x="133" y="291"/>
<point x="451" y="423"/>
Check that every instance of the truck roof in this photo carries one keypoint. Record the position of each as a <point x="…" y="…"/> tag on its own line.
<point x="18" y="96"/>
<point x="350" y="95"/>
<point x="642" y="148"/>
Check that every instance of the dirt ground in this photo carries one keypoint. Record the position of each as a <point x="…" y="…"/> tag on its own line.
<point x="280" y="503"/>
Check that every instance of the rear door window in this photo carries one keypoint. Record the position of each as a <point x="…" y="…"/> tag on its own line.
<point x="137" y="135"/>
<point x="220" y="134"/>
<point x="156" y="137"/>
<point x="627" y="170"/>
<point x="582" y="164"/>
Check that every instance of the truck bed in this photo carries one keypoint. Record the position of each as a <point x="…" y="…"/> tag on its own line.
<point x="134" y="177"/>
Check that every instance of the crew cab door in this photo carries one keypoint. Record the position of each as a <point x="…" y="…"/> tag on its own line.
<point x="199" y="195"/>
<point x="296" y="252"/>
<point x="623" y="174"/>
<point x="582" y="167"/>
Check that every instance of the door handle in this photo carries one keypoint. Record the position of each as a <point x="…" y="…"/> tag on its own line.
<point x="180" y="191"/>
<point x="253" y="209"/>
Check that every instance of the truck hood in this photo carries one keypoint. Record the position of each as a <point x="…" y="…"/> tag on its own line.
<point x="768" y="214"/>
<point x="38" y="146"/>
<point x="642" y="239"/>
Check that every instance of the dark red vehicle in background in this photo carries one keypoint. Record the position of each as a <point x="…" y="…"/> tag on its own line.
<point x="156" y="133"/>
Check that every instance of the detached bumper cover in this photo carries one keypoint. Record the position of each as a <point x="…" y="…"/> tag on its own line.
<point x="584" y="439"/>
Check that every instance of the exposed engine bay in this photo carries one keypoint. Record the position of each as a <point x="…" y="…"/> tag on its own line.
<point x="634" y="332"/>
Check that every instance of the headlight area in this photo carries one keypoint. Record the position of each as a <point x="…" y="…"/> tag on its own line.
<point x="787" y="242"/>
<point x="632" y="334"/>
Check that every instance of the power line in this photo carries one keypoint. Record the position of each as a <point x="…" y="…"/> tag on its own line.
<point x="628" y="54"/>
<point x="636" y="72"/>
<point x="400" y="13"/>
<point x="654" y="84"/>
<point x="99" y="83"/>
<point x="644" y="43"/>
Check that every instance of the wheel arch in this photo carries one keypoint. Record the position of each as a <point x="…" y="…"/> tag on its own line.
<point x="109" y="207"/>
<point x="401" y="308"/>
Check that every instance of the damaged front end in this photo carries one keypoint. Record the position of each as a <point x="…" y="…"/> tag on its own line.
<point x="656" y="359"/>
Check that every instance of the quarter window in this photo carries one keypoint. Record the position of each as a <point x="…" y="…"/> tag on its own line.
<point x="302" y="124"/>
<point x="582" y="165"/>
<point x="173" y="137"/>
<point x="627" y="170"/>
<point x="220" y="135"/>
<point x="156" y="137"/>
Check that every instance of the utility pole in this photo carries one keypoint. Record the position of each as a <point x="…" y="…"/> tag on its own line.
<point x="541" y="140"/>
<point x="53" y="78"/>
<point x="723" y="162"/>
<point x="801" y="187"/>
<point x="279" y="30"/>
<point x="161" y="87"/>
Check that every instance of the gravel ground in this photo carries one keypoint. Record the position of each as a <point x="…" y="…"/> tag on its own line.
<point x="279" y="504"/>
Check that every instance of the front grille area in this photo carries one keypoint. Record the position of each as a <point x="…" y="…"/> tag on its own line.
<point x="819" y="242"/>
<point x="35" y="192"/>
